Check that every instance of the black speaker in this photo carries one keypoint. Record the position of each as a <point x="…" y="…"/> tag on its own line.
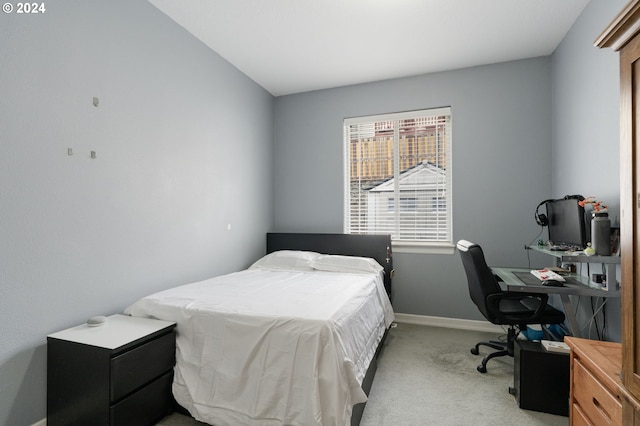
<point x="541" y="378"/>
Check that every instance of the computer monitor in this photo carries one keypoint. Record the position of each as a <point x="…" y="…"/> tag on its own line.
<point x="566" y="223"/>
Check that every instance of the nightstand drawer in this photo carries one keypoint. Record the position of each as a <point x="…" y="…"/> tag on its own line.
<point x="140" y="365"/>
<point x="595" y="401"/>
<point x="146" y="406"/>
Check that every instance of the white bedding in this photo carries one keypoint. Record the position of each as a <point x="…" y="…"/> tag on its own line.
<point x="273" y="347"/>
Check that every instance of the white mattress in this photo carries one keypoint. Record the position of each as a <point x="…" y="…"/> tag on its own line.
<point x="265" y="347"/>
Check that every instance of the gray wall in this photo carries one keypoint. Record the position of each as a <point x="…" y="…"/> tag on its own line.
<point x="586" y="122"/>
<point x="585" y="155"/>
<point x="523" y="131"/>
<point x="184" y="146"/>
<point x="501" y="160"/>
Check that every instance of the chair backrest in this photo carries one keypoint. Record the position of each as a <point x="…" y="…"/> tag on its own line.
<point x="480" y="278"/>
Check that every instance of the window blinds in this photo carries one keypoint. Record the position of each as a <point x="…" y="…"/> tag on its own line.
<point x="398" y="175"/>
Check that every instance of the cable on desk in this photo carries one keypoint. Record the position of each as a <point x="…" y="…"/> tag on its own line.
<point x="595" y="313"/>
<point x="594" y="318"/>
<point x="604" y="321"/>
<point x="537" y="237"/>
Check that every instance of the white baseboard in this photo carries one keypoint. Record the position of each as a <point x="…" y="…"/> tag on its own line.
<point x="42" y="422"/>
<point x="449" y="323"/>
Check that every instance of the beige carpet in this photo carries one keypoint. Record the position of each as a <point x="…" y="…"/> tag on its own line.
<point x="427" y="376"/>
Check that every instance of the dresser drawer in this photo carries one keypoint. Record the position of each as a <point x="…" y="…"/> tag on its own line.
<point x="596" y="402"/>
<point x="140" y="365"/>
<point x="577" y="417"/>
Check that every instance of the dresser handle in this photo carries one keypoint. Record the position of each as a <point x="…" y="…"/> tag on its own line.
<point x="596" y="403"/>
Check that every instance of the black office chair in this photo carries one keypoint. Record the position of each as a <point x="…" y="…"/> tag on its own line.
<point x="514" y="309"/>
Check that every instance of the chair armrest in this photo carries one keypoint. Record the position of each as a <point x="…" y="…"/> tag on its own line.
<point x="493" y="305"/>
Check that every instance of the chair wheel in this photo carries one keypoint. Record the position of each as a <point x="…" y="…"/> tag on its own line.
<point x="481" y="368"/>
<point x="475" y="351"/>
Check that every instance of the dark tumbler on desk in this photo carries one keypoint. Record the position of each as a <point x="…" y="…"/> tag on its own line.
<point x="601" y="234"/>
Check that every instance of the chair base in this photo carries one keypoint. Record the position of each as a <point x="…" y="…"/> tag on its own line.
<point x="502" y="349"/>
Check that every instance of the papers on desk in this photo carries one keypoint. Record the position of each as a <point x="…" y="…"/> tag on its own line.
<point x="545" y="274"/>
<point x="552" y="346"/>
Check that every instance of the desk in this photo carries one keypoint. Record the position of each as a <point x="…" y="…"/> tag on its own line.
<point x="580" y="257"/>
<point x="513" y="283"/>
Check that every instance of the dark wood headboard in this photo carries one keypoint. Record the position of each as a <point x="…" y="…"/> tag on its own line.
<point x="377" y="247"/>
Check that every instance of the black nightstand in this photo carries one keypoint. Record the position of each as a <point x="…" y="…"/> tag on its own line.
<point x="117" y="373"/>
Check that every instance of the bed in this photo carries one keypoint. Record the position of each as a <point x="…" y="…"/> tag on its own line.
<point x="291" y="340"/>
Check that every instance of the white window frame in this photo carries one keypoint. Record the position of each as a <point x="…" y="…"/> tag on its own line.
<point x="399" y="246"/>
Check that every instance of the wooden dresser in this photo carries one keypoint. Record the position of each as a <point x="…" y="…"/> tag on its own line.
<point x="595" y="397"/>
<point x="623" y="36"/>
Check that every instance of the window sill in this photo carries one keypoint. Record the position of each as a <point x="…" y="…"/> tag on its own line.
<point x="422" y="248"/>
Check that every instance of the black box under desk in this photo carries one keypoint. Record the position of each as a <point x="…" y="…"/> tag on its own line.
<point x="541" y="378"/>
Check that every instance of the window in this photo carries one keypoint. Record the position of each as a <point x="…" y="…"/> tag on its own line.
<point x="398" y="176"/>
<point x="439" y="204"/>
<point x="406" y="204"/>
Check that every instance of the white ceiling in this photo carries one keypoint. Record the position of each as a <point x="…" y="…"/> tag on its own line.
<point x="291" y="46"/>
